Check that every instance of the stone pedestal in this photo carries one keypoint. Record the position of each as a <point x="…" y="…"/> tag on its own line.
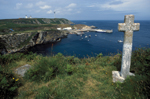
<point x="117" y="78"/>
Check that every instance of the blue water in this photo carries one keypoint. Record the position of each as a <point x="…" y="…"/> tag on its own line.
<point x="104" y="43"/>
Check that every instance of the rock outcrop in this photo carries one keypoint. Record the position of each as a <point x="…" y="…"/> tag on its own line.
<point x="20" y="42"/>
<point x="22" y="70"/>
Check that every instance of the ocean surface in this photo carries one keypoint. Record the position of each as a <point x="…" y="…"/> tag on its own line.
<point x="104" y="43"/>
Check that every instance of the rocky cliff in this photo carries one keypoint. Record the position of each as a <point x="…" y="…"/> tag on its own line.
<point x="20" y="42"/>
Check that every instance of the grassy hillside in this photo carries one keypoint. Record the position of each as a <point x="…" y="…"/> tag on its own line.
<point x="68" y="77"/>
<point x="21" y="25"/>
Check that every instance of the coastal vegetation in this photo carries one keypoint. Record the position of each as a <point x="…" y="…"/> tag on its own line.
<point x="64" y="77"/>
<point x="20" y="34"/>
<point x="8" y="26"/>
<point x="68" y="77"/>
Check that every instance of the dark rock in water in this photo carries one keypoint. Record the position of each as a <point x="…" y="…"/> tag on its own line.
<point x="22" y="70"/>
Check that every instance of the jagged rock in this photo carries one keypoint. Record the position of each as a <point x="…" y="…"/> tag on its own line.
<point x="22" y="70"/>
<point x="22" y="41"/>
<point x="3" y="51"/>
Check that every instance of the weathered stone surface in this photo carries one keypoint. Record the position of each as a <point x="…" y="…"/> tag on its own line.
<point x="22" y="70"/>
<point x="128" y="27"/>
<point x="116" y="76"/>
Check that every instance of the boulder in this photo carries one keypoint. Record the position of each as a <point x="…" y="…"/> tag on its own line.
<point x="22" y="70"/>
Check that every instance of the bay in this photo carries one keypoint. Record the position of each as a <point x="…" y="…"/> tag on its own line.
<point x="105" y="43"/>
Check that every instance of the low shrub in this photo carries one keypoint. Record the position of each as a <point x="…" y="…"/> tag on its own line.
<point x="30" y="56"/>
<point x="4" y="59"/>
<point x="77" y="60"/>
<point x="73" y="60"/>
<point x="140" y="65"/>
<point x="99" y="55"/>
<point x="131" y="88"/>
<point x="46" y="69"/>
<point x="59" y="55"/>
<point x="8" y="85"/>
<point x="69" y="69"/>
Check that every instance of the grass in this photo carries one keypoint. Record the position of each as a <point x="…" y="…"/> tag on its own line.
<point x="68" y="77"/>
<point x="24" y="25"/>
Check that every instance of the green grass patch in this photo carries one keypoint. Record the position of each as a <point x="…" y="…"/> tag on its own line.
<point x="21" y="25"/>
<point x="68" y="77"/>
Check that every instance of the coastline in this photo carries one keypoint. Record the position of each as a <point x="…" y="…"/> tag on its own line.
<point x="12" y="43"/>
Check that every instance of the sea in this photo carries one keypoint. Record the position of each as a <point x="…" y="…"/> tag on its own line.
<point x="105" y="43"/>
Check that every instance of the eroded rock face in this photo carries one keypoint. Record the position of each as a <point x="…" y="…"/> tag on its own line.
<point x="20" y="42"/>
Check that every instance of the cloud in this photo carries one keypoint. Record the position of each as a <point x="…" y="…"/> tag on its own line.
<point x="37" y="11"/>
<point x="30" y="5"/>
<point x="45" y="7"/>
<point x="120" y="6"/>
<point x="71" y="5"/>
<point x="69" y="9"/>
<point x="49" y="12"/>
<point x="91" y="6"/>
<point x="40" y="3"/>
<point x="66" y="11"/>
<point x="78" y="11"/>
<point x="116" y="2"/>
<point x="124" y="5"/>
<point x="18" y="5"/>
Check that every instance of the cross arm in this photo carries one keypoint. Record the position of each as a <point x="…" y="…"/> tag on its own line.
<point x="121" y="26"/>
<point x="136" y="27"/>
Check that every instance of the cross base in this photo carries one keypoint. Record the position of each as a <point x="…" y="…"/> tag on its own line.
<point x="117" y="78"/>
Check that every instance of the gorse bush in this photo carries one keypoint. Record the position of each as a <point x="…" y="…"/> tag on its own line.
<point x="100" y="55"/>
<point x="78" y="78"/>
<point x="59" y="55"/>
<point x="46" y="69"/>
<point x="140" y="65"/>
<point x="69" y="69"/>
<point x="4" y="59"/>
<point x="30" y="56"/>
<point x="8" y="85"/>
<point x="70" y="60"/>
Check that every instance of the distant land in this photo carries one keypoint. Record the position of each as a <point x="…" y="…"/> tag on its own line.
<point x="23" y="33"/>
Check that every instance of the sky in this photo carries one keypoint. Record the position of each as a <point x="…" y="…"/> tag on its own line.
<point x="75" y="9"/>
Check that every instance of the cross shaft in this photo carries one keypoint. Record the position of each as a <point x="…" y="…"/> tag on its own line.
<point x="128" y="27"/>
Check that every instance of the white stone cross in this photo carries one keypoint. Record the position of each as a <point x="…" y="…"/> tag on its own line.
<point x="128" y="27"/>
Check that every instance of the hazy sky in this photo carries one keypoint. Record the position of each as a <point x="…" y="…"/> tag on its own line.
<point x="75" y="9"/>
